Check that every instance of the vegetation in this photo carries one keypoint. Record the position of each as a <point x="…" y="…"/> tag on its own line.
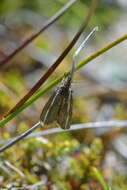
<point x="89" y="159"/>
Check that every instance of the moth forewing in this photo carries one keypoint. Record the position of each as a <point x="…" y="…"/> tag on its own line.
<point x="65" y="111"/>
<point x="50" y="110"/>
<point x="70" y="110"/>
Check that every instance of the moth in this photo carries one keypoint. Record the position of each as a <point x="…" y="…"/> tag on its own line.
<point x="59" y="107"/>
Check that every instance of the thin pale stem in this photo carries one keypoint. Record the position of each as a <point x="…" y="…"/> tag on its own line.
<point x="27" y="134"/>
<point x="80" y="48"/>
<point x="9" y="165"/>
<point x="5" y="169"/>
<point x="23" y="135"/>
<point x="90" y="35"/>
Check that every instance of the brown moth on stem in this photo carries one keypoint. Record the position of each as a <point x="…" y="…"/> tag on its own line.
<point x="59" y="107"/>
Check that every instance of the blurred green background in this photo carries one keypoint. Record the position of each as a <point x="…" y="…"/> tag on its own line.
<point x="65" y="161"/>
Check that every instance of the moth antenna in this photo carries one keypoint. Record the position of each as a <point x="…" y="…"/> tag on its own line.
<point x="82" y="45"/>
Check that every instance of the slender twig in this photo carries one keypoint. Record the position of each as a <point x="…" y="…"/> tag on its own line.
<point x="36" y="185"/>
<point x="58" y="61"/>
<point x="100" y="124"/>
<point x="44" y="27"/>
<point x="5" y="169"/>
<point x="52" y="84"/>
<point x="9" y="165"/>
<point x="33" y="186"/>
<point x="23" y="135"/>
<point x="8" y="172"/>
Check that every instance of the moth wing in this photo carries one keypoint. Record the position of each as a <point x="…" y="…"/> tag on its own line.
<point x="50" y="110"/>
<point x="65" y="112"/>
